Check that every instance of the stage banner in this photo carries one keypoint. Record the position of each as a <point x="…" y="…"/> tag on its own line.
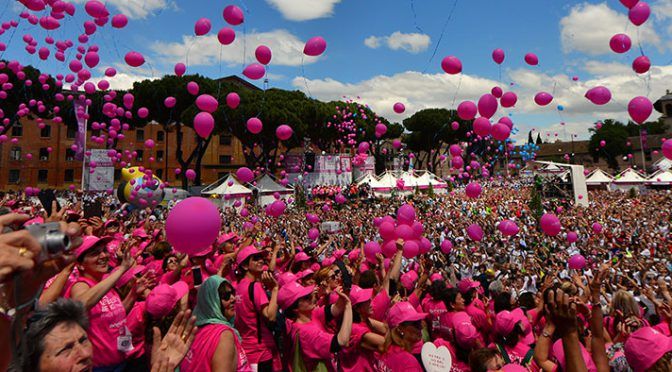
<point x="80" y="137"/>
<point x="102" y="177"/>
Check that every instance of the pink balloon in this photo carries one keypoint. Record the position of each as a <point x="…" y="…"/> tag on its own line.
<point x="620" y="43"/>
<point x="134" y="59"/>
<point x="603" y="143"/>
<point x="543" y="98"/>
<point x="641" y="64"/>
<point x="640" y="108"/>
<point x="550" y="224"/>
<point x="399" y="108"/>
<point x="233" y="100"/>
<point x="284" y="132"/>
<point x="475" y="232"/>
<point x="371" y="249"/>
<point x="226" y="36"/>
<point x="451" y="65"/>
<point x="473" y="190"/>
<point x="497" y="92"/>
<point x="180" y="69"/>
<point x="466" y="110"/>
<point x="482" y="126"/>
<point x="506" y="121"/>
<point x="404" y="232"/>
<point x="411" y="249"/>
<point x="91" y="59"/>
<point x="245" y="175"/>
<point x="508" y="228"/>
<point x="204" y="124"/>
<point x="457" y="162"/>
<point x="169" y="102"/>
<point x="119" y="21"/>
<point x="667" y="149"/>
<point x="406" y="214"/>
<point x="313" y="234"/>
<point x="143" y="112"/>
<point x="501" y="131"/>
<point x="509" y="99"/>
<point x="202" y="26"/>
<point x="487" y="105"/>
<point x="396" y="144"/>
<point x="254" y="125"/>
<point x="207" y="103"/>
<point x="598" y="95"/>
<point x="263" y="54"/>
<point x="96" y="9"/>
<point x="577" y="262"/>
<point x="110" y="72"/>
<point x="639" y="13"/>
<point x="192" y="88"/>
<point x="233" y="15"/>
<point x="572" y="237"/>
<point x="498" y="56"/>
<point x="455" y="150"/>
<point x="193" y="225"/>
<point x="446" y="246"/>
<point x="276" y="209"/>
<point x="149" y="143"/>
<point x="386" y="230"/>
<point x="531" y="59"/>
<point x="255" y="71"/>
<point x="597" y="228"/>
<point x="629" y="3"/>
<point x="315" y="46"/>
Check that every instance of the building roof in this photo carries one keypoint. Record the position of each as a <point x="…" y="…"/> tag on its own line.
<point x="266" y="184"/>
<point x="234" y="79"/>
<point x="629" y="176"/>
<point x="662" y="177"/>
<point x="228" y="185"/>
<point x="598" y="177"/>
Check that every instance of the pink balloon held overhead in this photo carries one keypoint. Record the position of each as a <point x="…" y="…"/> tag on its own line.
<point x="498" y="56"/>
<point x="263" y="54"/>
<point x="233" y="15"/>
<point x="531" y="59"/>
<point x="193" y="225"/>
<point x="640" y="108"/>
<point x="451" y="65"/>
<point x="639" y="13"/>
<point x="620" y="43"/>
<point x="399" y="108"/>
<point x="315" y="46"/>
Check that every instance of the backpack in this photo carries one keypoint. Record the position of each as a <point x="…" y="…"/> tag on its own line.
<point x="297" y="361"/>
<point x="526" y="360"/>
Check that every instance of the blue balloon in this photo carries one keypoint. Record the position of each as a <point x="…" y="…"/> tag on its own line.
<point x="561" y="108"/>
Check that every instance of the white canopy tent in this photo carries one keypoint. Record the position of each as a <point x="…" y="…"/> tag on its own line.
<point x="628" y="179"/>
<point x="367" y="178"/>
<point x="598" y="177"/>
<point x="267" y="187"/>
<point x="663" y="164"/>
<point x="383" y="186"/>
<point x="428" y="178"/>
<point x="231" y="191"/>
<point x="569" y="172"/>
<point x="661" y="178"/>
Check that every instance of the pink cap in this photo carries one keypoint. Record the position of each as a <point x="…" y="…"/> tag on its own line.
<point x="129" y="274"/>
<point x="401" y="312"/>
<point x="558" y="352"/>
<point x="140" y="233"/>
<point x="163" y="298"/>
<point x="359" y="295"/>
<point x="339" y="253"/>
<point x="304" y="273"/>
<point x="408" y="279"/>
<point x="89" y="242"/>
<point x="466" y="284"/>
<point x="514" y="368"/>
<point x="110" y="222"/>
<point x="505" y="321"/>
<point x="301" y="256"/>
<point x="34" y="221"/>
<point x="225" y="238"/>
<point x="465" y="332"/>
<point x="285" y="278"/>
<point x="291" y="292"/>
<point x="528" y="338"/>
<point x="328" y="261"/>
<point x="436" y="276"/>
<point x="353" y="255"/>
<point x="246" y="252"/>
<point x="645" y="347"/>
<point x="315" y="267"/>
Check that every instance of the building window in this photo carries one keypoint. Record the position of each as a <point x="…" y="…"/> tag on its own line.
<point x="140" y="154"/>
<point x="17" y="130"/>
<point x="46" y="131"/>
<point x="160" y="136"/>
<point x="44" y="154"/>
<point x="139" y="135"/>
<point x="159" y="155"/>
<point x="69" y="175"/>
<point x="159" y="173"/>
<point x="224" y="159"/>
<point x="72" y="131"/>
<point x="14" y="176"/>
<point x="42" y="176"/>
<point x="225" y="139"/>
<point x="69" y="155"/>
<point x="15" y="153"/>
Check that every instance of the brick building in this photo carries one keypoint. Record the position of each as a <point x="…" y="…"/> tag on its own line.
<point x="53" y="164"/>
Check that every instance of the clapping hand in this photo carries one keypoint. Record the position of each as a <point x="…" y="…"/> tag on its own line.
<point x="167" y="353"/>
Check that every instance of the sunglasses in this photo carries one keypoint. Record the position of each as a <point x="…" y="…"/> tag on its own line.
<point x="228" y="294"/>
<point x="257" y="257"/>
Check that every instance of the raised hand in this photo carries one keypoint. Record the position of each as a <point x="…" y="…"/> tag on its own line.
<point x="167" y="353"/>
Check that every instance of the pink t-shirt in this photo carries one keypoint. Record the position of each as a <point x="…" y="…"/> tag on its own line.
<point x="156" y="266"/>
<point x="479" y="319"/>
<point x="435" y="309"/>
<point x="446" y="325"/>
<point x="517" y="353"/>
<point x="355" y="357"/>
<point x="108" y="324"/>
<point x="199" y="356"/>
<point x="246" y="324"/>
<point x="315" y="344"/>
<point x="380" y="305"/>
<point x="457" y="365"/>
<point x="398" y="359"/>
<point x="135" y="321"/>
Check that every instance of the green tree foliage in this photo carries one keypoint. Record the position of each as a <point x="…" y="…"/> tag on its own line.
<point x="615" y="136"/>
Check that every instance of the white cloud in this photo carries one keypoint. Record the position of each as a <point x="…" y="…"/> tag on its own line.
<point x="304" y="10"/>
<point x="372" y="42"/>
<point x="138" y="9"/>
<point x="412" y="43"/>
<point x="126" y="76"/>
<point x="589" y="27"/>
<point x="287" y="49"/>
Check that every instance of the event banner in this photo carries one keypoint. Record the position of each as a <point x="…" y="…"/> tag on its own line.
<point x="328" y="170"/>
<point x="102" y="177"/>
<point x="80" y="137"/>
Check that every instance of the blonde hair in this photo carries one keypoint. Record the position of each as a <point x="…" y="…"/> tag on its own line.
<point x="394" y="337"/>
<point x="624" y="302"/>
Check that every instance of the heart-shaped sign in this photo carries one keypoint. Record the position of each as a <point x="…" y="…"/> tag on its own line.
<point x="436" y="359"/>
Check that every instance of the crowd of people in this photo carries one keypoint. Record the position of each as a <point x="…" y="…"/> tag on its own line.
<point x="269" y="298"/>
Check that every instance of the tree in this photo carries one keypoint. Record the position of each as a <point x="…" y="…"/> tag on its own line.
<point x="539" y="142"/>
<point x="615" y="135"/>
<point x="529" y="138"/>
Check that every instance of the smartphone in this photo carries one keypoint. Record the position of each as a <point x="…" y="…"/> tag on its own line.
<point x="198" y="277"/>
<point x="345" y="274"/>
<point x="47" y="197"/>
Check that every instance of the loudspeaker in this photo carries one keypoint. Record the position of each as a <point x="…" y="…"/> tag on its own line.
<point x="310" y="162"/>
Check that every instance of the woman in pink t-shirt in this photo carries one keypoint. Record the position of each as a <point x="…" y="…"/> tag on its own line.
<point x="367" y="337"/>
<point x="254" y="310"/>
<point x="111" y="339"/>
<point x="217" y="345"/>
<point x="405" y="331"/>
<point x="454" y="304"/>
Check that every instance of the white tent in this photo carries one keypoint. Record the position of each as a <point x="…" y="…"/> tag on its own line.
<point x="384" y="186"/>
<point x="663" y="164"/>
<point x="661" y="178"/>
<point x="568" y="172"/>
<point x="233" y="192"/>
<point x="428" y="178"/>
<point x="411" y="181"/>
<point x="598" y="178"/>
<point x="367" y="178"/>
<point x="267" y="187"/>
<point x="628" y="179"/>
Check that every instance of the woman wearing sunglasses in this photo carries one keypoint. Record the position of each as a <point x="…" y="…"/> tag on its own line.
<point x="217" y="345"/>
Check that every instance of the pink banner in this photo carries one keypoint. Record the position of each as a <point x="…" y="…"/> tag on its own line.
<point x="80" y="137"/>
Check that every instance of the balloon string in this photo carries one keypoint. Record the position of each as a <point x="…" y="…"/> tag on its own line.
<point x="305" y="81"/>
<point x="459" y="85"/>
<point x="443" y="32"/>
<point x="500" y="73"/>
<point x="415" y="17"/>
<point x="11" y="37"/>
<point x="647" y="79"/>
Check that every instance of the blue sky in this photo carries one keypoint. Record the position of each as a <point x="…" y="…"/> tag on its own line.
<point x="381" y="50"/>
